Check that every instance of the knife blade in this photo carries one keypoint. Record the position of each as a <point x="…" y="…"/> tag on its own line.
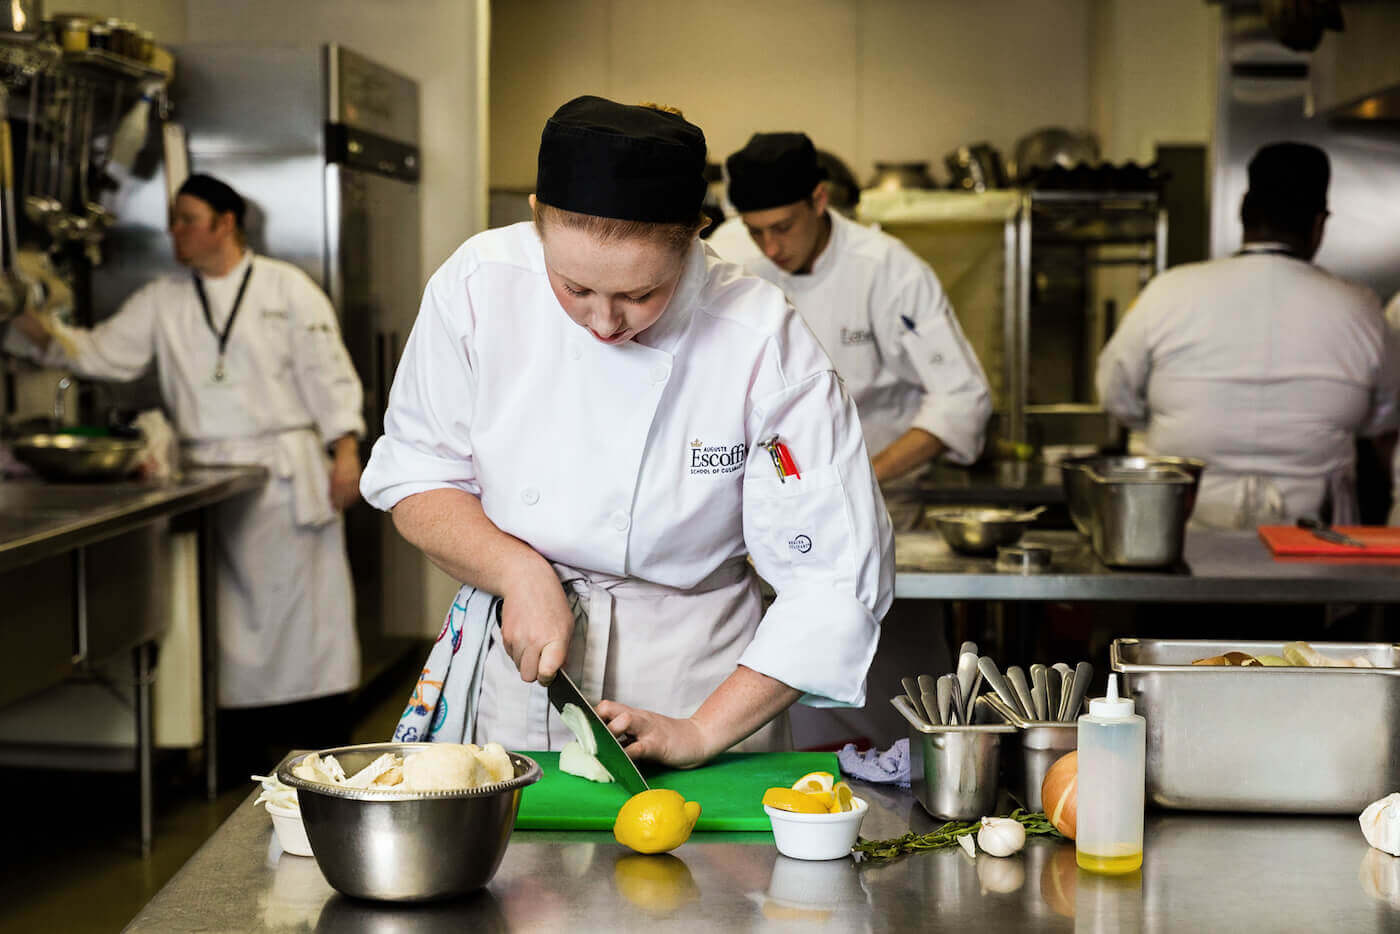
<point x="615" y="759"/>
<point x="1329" y="534"/>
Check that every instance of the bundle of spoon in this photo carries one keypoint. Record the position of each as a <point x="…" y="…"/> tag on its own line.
<point x="1052" y="694"/>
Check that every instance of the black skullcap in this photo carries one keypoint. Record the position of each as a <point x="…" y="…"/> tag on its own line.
<point x="216" y="194"/>
<point x="1294" y="173"/>
<point x="614" y="160"/>
<point x="773" y="169"/>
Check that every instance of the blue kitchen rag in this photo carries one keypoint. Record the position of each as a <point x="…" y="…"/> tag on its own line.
<point x="890" y="767"/>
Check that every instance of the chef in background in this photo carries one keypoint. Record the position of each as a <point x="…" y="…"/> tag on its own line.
<point x="595" y="400"/>
<point x="1262" y="364"/>
<point x="252" y="371"/>
<point x="890" y="330"/>
<point x="878" y="309"/>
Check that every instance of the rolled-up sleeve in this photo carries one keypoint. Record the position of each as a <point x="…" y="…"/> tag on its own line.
<point x="932" y="351"/>
<point x="325" y="377"/>
<point x="427" y="427"/>
<point x="823" y="541"/>
<point x="1125" y="364"/>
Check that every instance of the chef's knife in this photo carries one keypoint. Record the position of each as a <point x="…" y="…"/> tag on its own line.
<point x="620" y="766"/>
<point x="1328" y="534"/>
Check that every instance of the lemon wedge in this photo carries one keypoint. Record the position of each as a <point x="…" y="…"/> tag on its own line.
<point x="790" y="799"/>
<point x="841" y="798"/>
<point x="814" y="781"/>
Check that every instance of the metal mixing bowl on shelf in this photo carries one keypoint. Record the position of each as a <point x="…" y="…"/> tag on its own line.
<point x="394" y="846"/>
<point x="78" y="457"/>
<point x="978" y="530"/>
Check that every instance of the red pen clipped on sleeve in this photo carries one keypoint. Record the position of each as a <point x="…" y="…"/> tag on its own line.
<point x="782" y="459"/>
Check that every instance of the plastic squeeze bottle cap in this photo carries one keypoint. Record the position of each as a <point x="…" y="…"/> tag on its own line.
<point x="1111" y="707"/>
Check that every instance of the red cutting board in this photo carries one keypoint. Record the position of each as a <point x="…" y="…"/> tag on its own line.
<point x="1289" y="541"/>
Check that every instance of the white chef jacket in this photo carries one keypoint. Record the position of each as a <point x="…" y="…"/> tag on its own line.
<point x="1264" y="366"/>
<point x="286" y="606"/>
<point x="642" y="460"/>
<point x="884" y="318"/>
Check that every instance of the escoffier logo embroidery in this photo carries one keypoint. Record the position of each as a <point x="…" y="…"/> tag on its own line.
<point x="800" y="544"/>
<point x="711" y="459"/>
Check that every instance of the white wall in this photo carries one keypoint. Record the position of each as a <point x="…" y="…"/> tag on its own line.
<point x="868" y="79"/>
<point x="1154" y="76"/>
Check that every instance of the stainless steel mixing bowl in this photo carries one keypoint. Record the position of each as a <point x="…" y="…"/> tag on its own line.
<point x="407" y="847"/>
<point x="78" y="457"/>
<point x="979" y="530"/>
<point x="1079" y="487"/>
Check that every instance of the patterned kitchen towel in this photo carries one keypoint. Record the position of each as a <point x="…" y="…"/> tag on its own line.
<point x="890" y="767"/>
<point x="443" y="704"/>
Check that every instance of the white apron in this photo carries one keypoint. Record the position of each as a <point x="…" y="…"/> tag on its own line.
<point x="285" y="600"/>
<point x="641" y="644"/>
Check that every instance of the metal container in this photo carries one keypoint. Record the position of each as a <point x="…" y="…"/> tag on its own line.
<point x="1139" y="515"/>
<point x="1043" y="742"/>
<point x="1293" y="740"/>
<point x="397" y="847"/>
<point x="978" y="530"/>
<point x="1079" y="488"/>
<point x="953" y="770"/>
<point x="78" y="457"/>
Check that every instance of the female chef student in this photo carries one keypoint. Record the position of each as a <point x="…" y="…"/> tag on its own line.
<point x="585" y="399"/>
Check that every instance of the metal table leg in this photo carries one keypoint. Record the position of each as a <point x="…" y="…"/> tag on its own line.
<point x="145" y="734"/>
<point x="209" y="647"/>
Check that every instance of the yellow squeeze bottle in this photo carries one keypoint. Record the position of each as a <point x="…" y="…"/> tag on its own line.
<point x="1112" y="779"/>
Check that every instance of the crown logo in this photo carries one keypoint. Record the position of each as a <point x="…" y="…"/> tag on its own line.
<point x="696" y="443"/>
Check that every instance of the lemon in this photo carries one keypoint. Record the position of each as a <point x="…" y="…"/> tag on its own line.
<point x="814" y="781"/>
<point x="658" y="883"/>
<point x="655" y="821"/>
<point x="841" y="795"/>
<point x="787" y="799"/>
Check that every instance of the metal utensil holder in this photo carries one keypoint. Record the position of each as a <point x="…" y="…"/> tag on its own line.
<point x="1043" y="742"/>
<point x="953" y="770"/>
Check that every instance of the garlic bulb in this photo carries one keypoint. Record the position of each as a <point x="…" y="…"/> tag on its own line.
<point x="1380" y="823"/>
<point x="1001" y="836"/>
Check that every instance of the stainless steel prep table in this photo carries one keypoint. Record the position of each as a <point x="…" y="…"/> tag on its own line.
<point x="41" y="520"/>
<point x="1219" y="567"/>
<point x="1200" y="873"/>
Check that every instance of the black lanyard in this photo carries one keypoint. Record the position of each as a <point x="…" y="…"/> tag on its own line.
<point x="228" y="325"/>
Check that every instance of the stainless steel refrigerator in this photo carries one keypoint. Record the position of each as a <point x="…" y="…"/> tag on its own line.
<point x="323" y="143"/>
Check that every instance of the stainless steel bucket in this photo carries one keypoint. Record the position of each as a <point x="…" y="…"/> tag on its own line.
<point x="953" y="770"/>
<point x="1079" y="488"/>
<point x="1139" y="515"/>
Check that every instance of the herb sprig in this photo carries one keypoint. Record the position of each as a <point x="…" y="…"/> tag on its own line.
<point x="1035" y="822"/>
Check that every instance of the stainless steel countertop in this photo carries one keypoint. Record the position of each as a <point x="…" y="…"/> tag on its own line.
<point x="1200" y="873"/>
<point x="39" y="519"/>
<point x="1225" y="567"/>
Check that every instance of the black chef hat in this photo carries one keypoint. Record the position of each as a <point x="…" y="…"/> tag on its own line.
<point x="614" y="160"/>
<point x="773" y="169"/>
<point x="216" y="194"/>
<point x="1295" y="173"/>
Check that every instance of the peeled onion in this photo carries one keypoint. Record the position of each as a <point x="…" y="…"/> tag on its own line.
<point x="1059" y="793"/>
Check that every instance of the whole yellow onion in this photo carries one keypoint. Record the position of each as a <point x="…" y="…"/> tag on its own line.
<point x="1059" y="793"/>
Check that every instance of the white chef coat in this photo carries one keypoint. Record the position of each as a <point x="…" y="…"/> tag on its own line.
<point x="641" y="463"/>
<point x="1264" y="366"/>
<point x="286" y="605"/>
<point x="884" y="318"/>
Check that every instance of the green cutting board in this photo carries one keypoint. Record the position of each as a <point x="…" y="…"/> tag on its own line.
<point x="729" y="788"/>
